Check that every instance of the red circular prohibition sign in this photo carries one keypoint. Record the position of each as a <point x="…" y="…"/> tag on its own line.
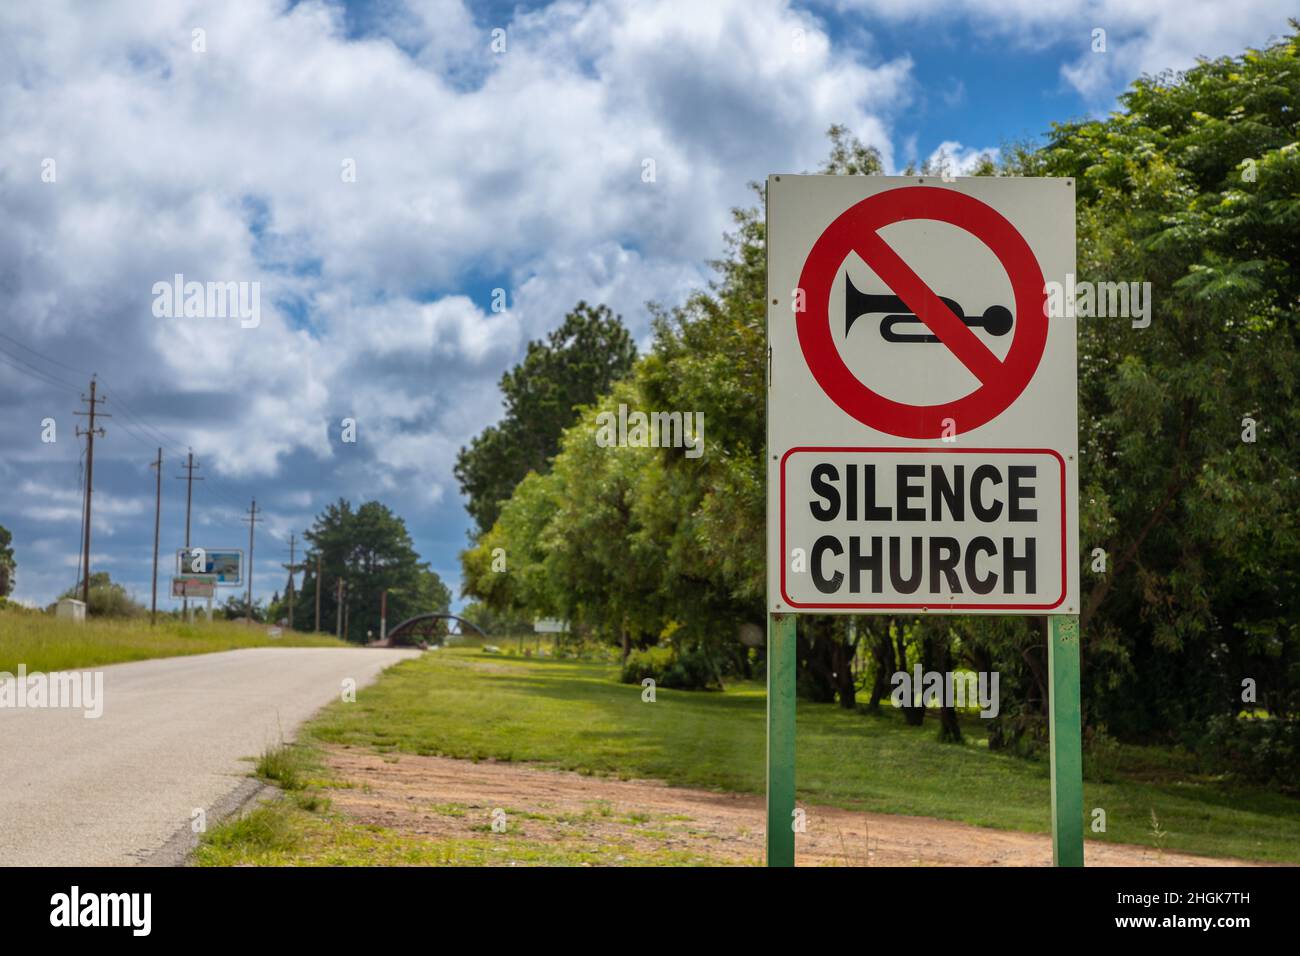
<point x="857" y="229"/>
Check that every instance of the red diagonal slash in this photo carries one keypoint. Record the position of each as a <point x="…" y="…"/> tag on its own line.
<point x="927" y="307"/>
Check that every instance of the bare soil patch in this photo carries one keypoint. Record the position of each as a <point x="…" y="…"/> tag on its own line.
<point x="442" y="798"/>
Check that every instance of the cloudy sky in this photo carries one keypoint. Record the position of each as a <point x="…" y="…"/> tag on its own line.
<point x="380" y="168"/>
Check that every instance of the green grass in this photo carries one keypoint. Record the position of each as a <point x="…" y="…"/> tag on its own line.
<point x="574" y="715"/>
<point x="43" y="642"/>
<point x="284" y="765"/>
<point x="300" y="829"/>
<point x="283" y="834"/>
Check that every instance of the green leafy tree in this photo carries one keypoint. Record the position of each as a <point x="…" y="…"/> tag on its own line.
<point x="235" y="608"/>
<point x="1193" y="186"/>
<point x="8" y="566"/>
<point x="370" y="551"/>
<point x="572" y="366"/>
<point x="107" y="598"/>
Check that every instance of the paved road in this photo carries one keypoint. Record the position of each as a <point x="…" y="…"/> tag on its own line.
<point x="112" y="791"/>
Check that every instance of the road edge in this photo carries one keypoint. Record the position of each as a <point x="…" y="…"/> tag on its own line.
<point x="180" y="847"/>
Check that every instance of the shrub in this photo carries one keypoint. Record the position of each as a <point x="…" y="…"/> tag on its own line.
<point x="682" y="670"/>
<point x="1255" y="750"/>
<point x="1101" y="754"/>
<point x="106" y="598"/>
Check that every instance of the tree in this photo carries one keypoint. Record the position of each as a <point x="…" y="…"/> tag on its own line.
<point x="574" y="365"/>
<point x="370" y="551"/>
<point x="1194" y="187"/>
<point x="1189" y="446"/>
<point x="107" y="598"/>
<point x="235" y="608"/>
<point x="7" y="564"/>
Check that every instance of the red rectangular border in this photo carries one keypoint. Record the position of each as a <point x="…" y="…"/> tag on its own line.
<point x="932" y="451"/>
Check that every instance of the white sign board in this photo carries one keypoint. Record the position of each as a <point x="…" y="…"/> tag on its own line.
<point x="922" y="406"/>
<point x="193" y="586"/>
<point x="225" y="565"/>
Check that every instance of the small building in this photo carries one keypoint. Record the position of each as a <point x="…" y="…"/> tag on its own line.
<point x="71" y="609"/>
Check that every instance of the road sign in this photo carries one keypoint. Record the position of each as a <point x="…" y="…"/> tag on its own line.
<point x="226" y="566"/>
<point x="922" y="438"/>
<point x="193" y="585"/>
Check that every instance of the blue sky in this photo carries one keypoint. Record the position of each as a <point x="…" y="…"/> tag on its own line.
<point x="218" y="154"/>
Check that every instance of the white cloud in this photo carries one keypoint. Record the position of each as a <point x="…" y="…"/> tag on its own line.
<point x="1145" y="37"/>
<point x="474" y="170"/>
<point x="958" y="159"/>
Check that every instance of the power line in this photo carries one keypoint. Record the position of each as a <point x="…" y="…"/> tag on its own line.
<point x="38" y="374"/>
<point x="43" y="356"/>
<point x="140" y="430"/>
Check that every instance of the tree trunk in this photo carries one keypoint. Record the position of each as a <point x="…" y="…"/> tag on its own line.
<point x="842" y="660"/>
<point x="982" y="661"/>
<point x="949" y="726"/>
<point x="816" y="681"/>
<point x="882" y="651"/>
<point x="912" y="714"/>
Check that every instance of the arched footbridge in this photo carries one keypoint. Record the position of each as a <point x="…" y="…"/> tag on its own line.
<point x="423" y="630"/>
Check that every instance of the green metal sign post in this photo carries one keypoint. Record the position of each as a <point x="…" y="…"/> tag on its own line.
<point x="1064" y="725"/>
<point x="1067" y="749"/>
<point x="781" y="665"/>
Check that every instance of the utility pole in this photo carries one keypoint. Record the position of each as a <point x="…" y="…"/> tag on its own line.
<point x="252" y="523"/>
<point x="90" y="433"/>
<point x="157" y="515"/>
<point x="189" y="478"/>
<point x="318" y="586"/>
<point x="338" y="609"/>
<point x="292" y="568"/>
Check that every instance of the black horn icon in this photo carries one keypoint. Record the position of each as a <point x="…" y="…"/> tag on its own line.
<point x="996" y="319"/>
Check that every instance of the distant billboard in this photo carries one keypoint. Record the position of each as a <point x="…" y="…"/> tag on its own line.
<point x="226" y="566"/>
<point x="193" y="586"/>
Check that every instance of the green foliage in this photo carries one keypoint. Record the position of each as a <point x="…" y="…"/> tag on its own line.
<point x="47" y="643"/>
<point x="106" y="598"/>
<point x="8" y="566"/>
<point x="370" y="550"/>
<point x="1194" y="187"/>
<point x="266" y="828"/>
<point x="1101" y="755"/>
<point x="285" y="765"/>
<point x="235" y="608"/>
<point x="576" y="363"/>
<point x="494" y="623"/>
<point x="668" y="667"/>
<point x="575" y="715"/>
<point x="1253" y="750"/>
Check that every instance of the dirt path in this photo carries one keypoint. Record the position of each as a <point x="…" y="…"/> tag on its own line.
<point x="441" y="798"/>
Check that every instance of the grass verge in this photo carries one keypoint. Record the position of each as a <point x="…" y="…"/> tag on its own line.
<point x="301" y="828"/>
<point x="42" y="642"/>
<point x="575" y="715"/>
